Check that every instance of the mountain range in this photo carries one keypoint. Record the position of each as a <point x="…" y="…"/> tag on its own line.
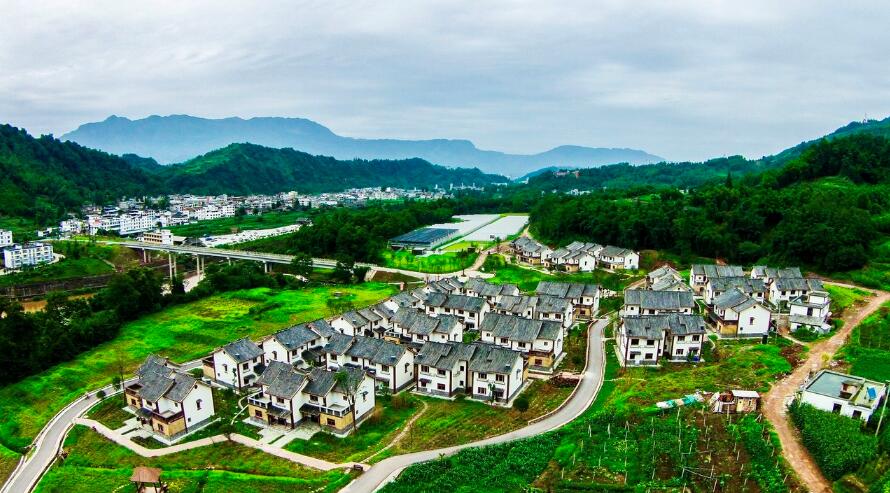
<point x="178" y="138"/>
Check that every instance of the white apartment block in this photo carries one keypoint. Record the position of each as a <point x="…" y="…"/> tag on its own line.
<point x="18" y="256"/>
<point x="5" y="237"/>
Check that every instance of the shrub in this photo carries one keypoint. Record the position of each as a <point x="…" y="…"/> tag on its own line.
<point x="101" y="394"/>
<point x="521" y="403"/>
<point x="836" y="442"/>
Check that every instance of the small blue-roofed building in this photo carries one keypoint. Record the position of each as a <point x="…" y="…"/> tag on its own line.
<point x="847" y="395"/>
<point x="423" y="239"/>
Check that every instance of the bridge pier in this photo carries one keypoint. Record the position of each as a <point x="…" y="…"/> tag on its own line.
<point x="266" y="267"/>
<point x="171" y="266"/>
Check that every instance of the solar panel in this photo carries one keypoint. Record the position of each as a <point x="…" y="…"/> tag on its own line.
<point x="424" y="235"/>
<point x="872" y="393"/>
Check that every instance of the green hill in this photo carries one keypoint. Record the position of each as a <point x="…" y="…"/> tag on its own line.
<point x="877" y="128"/>
<point x="249" y="168"/>
<point x="42" y="177"/>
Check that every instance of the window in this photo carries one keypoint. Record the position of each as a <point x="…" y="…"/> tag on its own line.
<point x="275" y="355"/>
<point x="441" y="373"/>
<point x="425" y="368"/>
<point x="539" y="362"/>
<point x="331" y="422"/>
<point x="440" y="386"/>
<point x="279" y="400"/>
<point x="504" y="340"/>
<point x="681" y="338"/>
<point x="836" y="408"/>
<point x="679" y="352"/>
<point x="198" y="404"/>
<point x="257" y="413"/>
<point x="634" y="342"/>
<point x="384" y="368"/>
<point x="650" y="342"/>
<point x="522" y="344"/>
<point x="225" y="368"/>
<point x="480" y="390"/>
<point x="245" y="366"/>
<point x="407" y="367"/>
<point x="695" y="338"/>
<point x="160" y="427"/>
<point x="857" y="414"/>
<point x="499" y="378"/>
<point x="313" y="398"/>
<point x="751" y="321"/>
<point x="353" y="358"/>
<point x="649" y="356"/>
<point x="483" y="375"/>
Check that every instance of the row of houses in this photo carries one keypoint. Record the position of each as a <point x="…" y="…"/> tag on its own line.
<point x="576" y="256"/>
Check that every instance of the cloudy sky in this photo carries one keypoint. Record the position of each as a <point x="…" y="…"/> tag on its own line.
<point x="684" y="80"/>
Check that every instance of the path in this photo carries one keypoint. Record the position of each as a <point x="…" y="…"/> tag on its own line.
<point x="583" y="397"/>
<point x="775" y="401"/>
<point x="398" y="438"/>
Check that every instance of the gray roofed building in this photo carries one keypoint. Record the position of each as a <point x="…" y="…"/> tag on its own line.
<point x="455" y="302"/>
<point x="488" y="290"/>
<point x="243" y="350"/>
<point x="405" y="299"/>
<point x="552" y="304"/>
<point x="444" y="355"/>
<point x="370" y="315"/>
<point x="322" y="381"/>
<point x="791" y="284"/>
<point x="669" y="284"/>
<point x="764" y="272"/>
<point x="516" y="304"/>
<point x="321" y="327"/>
<point x="527" y="245"/>
<point x="614" y="251"/>
<point x="418" y="322"/>
<point x="659" y="300"/>
<point x="566" y="289"/>
<point x="446" y="285"/>
<point x="154" y="380"/>
<point x="520" y="329"/>
<point x="282" y="380"/>
<point x="376" y="351"/>
<point x="733" y="299"/>
<point x="338" y="343"/>
<point x="493" y="359"/>
<point x="296" y="336"/>
<point x="711" y="271"/>
<point x="355" y="319"/>
<point x="655" y="326"/>
<point x="745" y="284"/>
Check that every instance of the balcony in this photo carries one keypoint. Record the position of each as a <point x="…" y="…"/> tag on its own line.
<point x="336" y="410"/>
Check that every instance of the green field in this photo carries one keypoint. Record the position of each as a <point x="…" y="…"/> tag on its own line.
<point x="463" y="245"/>
<point x="182" y="333"/>
<point x="868" y="348"/>
<point x="235" y="224"/>
<point x="843" y="298"/>
<point x="97" y="464"/>
<point x="431" y="264"/>
<point x="527" y="279"/>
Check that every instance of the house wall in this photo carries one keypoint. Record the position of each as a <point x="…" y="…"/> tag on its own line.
<point x="341" y="325"/>
<point x="826" y="403"/>
<point x="754" y="321"/>
<point x="193" y="415"/>
<point x="645" y="352"/>
<point x="686" y="343"/>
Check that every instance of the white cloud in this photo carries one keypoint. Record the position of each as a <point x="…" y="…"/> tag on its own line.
<point x="687" y="80"/>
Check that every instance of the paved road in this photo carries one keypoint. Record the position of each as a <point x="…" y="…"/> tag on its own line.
<point x="775" y="401"/>
<point x="586" y="392"/>
<point x="46" y="445"/>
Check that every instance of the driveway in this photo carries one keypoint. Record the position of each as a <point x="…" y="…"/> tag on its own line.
<point x="583" y="397"/>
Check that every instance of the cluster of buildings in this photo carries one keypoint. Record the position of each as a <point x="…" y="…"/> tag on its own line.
<point x="328" y="371"/>
<point x="19" y="255"/>
<point x="576" y="256"/>
<point x="661" y="321"/>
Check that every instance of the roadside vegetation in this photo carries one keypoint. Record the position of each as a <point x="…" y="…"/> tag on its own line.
<point x="837" y="443"/>
<point x="439" y="263"/>
<point x="81" y="259"/>
<point x="240" y="222"/>
<point x="867" y="351"/>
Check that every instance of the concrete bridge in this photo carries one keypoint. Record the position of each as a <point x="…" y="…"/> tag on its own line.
<point x="200" y="253"/>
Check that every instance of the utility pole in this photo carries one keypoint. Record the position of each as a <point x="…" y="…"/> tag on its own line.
<point x="883" y="409"/>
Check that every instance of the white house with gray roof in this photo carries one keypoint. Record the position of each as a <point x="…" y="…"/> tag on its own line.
<point x="646" y="302"/>
<point x="736" y="314"/>
<point x="784" y="289"/>
<point x="280" y="398"/>
<point x="812" y="311"/>
<point x="391" y="364"/>
<point x="540" y="341"/>
<point x="492" y="293"/>
<point x="237" y="364"/>
<point x="650" y="339"/>
<point x="699" y="274"/>
<point x="469" y="309"/>
<point x="441" y="369"/>
<point x="617" y="258"/>
<point x="585" y="298"/>
<point x="530" y="251"/>
<point x="496" y="374"/>
<point x="415" y="326"/>
<point x="167" y="401"/>
<point x="293" y="344"/>
<point x="755" y="288"/>
<point x="847" y="395"/>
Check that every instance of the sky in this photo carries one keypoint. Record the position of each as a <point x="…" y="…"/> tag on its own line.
<point x="680" y="79"/>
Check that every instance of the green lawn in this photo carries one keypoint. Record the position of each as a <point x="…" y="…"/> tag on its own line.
<point x="110" y="412"/>
<point x="390" y="415"/>
<point x="182" y="333"/>
<point x="463" y="245"/>
<point x="868" y="348"/>
<point x="97" y="464"/>
<point x="432" y="264"/>
<point x="843" y="298"/>
<point x="228" y="225"/>
<point x="527" y="279"/>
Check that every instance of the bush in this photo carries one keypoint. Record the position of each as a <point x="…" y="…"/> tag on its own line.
<point x="521" y="403"/>
<point x="101" y="394"/>
<point x="836" y="442"/>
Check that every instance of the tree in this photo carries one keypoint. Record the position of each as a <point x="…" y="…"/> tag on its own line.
<point x="302" y="265"/>
<point x="344" y="380"/>
<point x="343" y="271"/>
<point x="360" y="273"/>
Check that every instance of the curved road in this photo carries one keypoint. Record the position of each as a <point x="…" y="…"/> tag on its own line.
<point x="583" y="397"/>
<point x="47" y="444"/>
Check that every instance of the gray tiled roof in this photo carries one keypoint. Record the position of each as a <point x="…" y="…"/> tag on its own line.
<point x="552" y="304"/>
<point x="734" y="299"/>
<point x="158" y="380"/>
<point x="492" y="359"/>
<point x="654" y="326"/>
<point x="282" y="380"/>
<point x="711" y="271"/>
<point x="446" y="285"/>
<point x="791" y="283"/>
<point x="338" y="343"/>
<point x="355" y="319"/>
<point x="322" y="327"/>
<point x="455" y="302"/>
<point x="566" y="289"/>
<point x="243" y="350"/>
<point x="322" y="381"/>
<point x="376" y="351"/>
<point x="658" y="300"/>
<point x="404" y="299"/>
<point x="746" y="284"/>
<point x="669" y="284"/>
<point x="516" y="304"/>
<point x="520" y="329"/>
<point x="443" y="355"/>
<point x="484" y="288"/>
<point x="295" y="336"/>
<point x="528" y="245"/>
<point x="613" y="251"/>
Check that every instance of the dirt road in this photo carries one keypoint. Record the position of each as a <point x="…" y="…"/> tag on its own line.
<point x="774" y="403"/>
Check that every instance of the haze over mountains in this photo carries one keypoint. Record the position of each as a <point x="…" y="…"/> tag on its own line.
<point x="178" y="138"/>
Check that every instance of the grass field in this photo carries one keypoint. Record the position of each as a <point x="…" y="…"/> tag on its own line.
<point x="463" y="245"/>
<point x="843" y="298"/>
<point x="868" y="348"/>
<point x="390" y="415"/>
<point x="228" y="225"/>
<point x="83" y="259"/>
<point x="182" y="333"/>
<point x="96" y="464"/>
<point x="432" y="264"/>
<point x="527" y="279"/>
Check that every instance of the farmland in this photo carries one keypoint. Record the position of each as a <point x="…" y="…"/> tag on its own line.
<point x="434" y="263"/>
<point x="867" y="351"/>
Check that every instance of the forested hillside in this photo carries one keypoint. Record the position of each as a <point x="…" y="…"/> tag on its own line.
<point x="42" y="178"/>
<point x="823" y="210"/>
<point x="247" y="168"/>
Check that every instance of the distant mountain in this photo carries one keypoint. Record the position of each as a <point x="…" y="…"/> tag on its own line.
<point x="242" y="169"/>
<point x="43" y="177"/>
<point x="177" y="138"/>
<point x="877" y="128"/>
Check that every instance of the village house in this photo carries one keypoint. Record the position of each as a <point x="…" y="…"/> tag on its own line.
<point x="645" y="302"/>
<point x="281" y="397"/>
<point x="584" y="298"/>
<point x="735" y="401"/>
<point x="662" y="273"/>
<point x="448" y="285"/>
<point x="236" y="365"/>
<point x="293" y="345"/>
<point x="784" y="289"/>
<point x="352" y="323"/>
<point x="574" y="257"/>
<point x="540" y="341"/>
<point x="391" y="364"/>
<point x="769" y="274"/>
<point x="470" y="310"/>
<point x="649" y="339"/>
<point x="555" y="309"/>
<point x="441" y="368"/>
<point x="811" y="311"/>
<point x="718" y="285"/>
<point x="529" y="251"/>
<point x="404" y="299"/>
<point x="736" y="314"/>
<point x="521" y="306"/>
<point x="701" y="273"/>
<point x="496" y="374"/>
<point x="415" y="326"/>
<point x="847" y="395"/>
<point x="168" y="401"/>
<point x="617" y="258"/>
<point x="491" y="293"/>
